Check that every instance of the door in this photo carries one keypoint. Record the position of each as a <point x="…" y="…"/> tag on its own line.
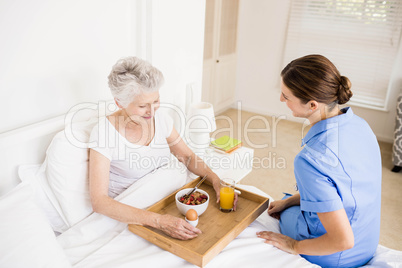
<point x="220" y="45"/>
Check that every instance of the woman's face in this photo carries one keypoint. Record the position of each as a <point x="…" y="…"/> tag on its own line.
<point x="144" y="106"/>
<point x="295" y="105"/>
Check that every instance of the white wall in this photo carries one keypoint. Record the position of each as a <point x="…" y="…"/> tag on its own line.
<point x="55" y="54"/>
<point x="261" y="39"/>
<point x="177" y="46"/>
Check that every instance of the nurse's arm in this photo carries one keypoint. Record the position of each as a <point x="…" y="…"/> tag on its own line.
<point x="293" y="200"/>
<point x="339" y="236"/>
<point x="278" y="206"/>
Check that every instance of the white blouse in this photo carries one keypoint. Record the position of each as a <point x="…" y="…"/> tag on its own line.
<point x="130" y="162"/>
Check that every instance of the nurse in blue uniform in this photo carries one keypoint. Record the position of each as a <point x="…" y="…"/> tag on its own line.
<point x="334" y="221"/>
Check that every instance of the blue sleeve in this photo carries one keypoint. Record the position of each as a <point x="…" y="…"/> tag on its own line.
<point x="318" y="193"/>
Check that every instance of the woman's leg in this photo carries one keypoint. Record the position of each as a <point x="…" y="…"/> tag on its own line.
<point x="288" y="220"/>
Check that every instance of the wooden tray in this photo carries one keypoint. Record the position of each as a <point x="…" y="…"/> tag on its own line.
<point x="218" y="228"/>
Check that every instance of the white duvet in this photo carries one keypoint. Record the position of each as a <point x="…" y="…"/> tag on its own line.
<point x="57" y="199"/>
<point x="27" y="238"/>
<point x="98" y="241"/>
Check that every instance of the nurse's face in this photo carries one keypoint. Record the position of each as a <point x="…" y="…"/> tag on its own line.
<point x="144" y="106"/>
<point x="295" y="105"/>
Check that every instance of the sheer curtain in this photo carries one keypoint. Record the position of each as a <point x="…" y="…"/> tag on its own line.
<point x="360" y="36"/>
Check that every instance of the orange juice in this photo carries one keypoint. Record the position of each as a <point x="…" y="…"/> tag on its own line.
<point x="226" y="198"/>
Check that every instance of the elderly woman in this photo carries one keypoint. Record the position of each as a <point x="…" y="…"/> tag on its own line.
<point x="141" y="130"/>
<point x="334" y="221"/>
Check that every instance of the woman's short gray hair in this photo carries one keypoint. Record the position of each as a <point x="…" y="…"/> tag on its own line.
<point x="132" y="76"/>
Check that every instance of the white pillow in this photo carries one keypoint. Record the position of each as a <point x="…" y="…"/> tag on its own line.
<point x="44" y="197"/>
<point x="67" y="170"/>
<point x="27" y="240"/>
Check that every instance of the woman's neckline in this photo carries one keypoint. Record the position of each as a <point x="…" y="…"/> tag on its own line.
<point x="129" y="142"/>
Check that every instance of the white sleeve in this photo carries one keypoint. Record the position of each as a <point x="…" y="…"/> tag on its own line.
<point x="166" y="122"/>
<point x="99" y="140"/>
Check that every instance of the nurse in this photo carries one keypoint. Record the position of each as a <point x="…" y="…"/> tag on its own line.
<point x="334" y="221"/>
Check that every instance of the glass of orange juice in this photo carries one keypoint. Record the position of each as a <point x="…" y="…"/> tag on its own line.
<point x="227" y="195"/>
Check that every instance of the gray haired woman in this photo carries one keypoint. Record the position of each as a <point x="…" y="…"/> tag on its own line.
<point x="135" y="85"/>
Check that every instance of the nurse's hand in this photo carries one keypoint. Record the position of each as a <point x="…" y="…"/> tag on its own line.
<point x="276" y="207"/>
<point x="280" y="241"/>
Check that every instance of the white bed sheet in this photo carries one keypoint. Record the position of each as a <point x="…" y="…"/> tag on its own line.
<point x="98" y="241"/>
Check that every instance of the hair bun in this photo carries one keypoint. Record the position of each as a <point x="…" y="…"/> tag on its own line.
<point x="344" y="92"/>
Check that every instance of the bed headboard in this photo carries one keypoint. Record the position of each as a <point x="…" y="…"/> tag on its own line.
<point x="28" y="144"/>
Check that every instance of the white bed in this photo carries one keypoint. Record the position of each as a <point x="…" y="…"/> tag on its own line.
<point x="54" y="197"/>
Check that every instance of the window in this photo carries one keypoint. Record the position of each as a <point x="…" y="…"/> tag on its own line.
<point x="360" y="36"/>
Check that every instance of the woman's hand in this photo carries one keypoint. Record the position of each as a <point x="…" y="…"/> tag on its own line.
<point x="194" y="163"/>
<point x="276" y="207"/>
<point x="217" y="186"/>
<point x="177" y="228"/>
<point x="280" y="241"/>
<point x="236" y="197"/>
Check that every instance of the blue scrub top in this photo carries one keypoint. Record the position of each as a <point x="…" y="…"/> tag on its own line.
<point x="340" y="167"/>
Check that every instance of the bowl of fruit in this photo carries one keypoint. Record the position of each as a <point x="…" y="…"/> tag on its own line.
<point x="198" y="201"/>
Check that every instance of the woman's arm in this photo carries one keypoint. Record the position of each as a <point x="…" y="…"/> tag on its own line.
<point x="195" y="164"/>
<point x="99" y="167"/>
<point x="339" y="237"/>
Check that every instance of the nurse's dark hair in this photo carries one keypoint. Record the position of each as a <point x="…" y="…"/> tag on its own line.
<point x="314" y="77"/>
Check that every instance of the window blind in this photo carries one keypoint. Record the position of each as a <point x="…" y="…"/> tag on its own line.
<point x="361" y="37"/>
